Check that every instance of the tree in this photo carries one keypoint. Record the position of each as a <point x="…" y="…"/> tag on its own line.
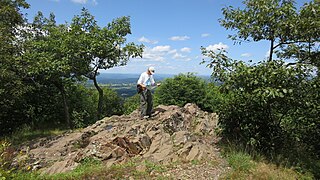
<point x="276" y="21"/>
<point x="262" y="98"/>
<point x="47" y="59"/>
<point x="112" y="103"/>
<point x="180" y="90"/>
<point x="213" y="98"/>
<point x="12" y="86"/>
<point x="102" y="48"/>
<point x="271" y="106"/>
<point x="303" y="44"/>
<point x="82" y="102"/>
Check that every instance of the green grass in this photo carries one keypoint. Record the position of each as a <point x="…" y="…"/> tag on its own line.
<point x="153" y="167"/>
<point x="195" y="162"/>
<point x="244" y="167"/>
<point x="93" y="168"/>
<point x="241" y="166"/>
<point x="8" y="146"/>
<point x="87" y="167"/>
<point x="251" y="165"/>
<point x="26" y="134"/>
<point x="240" y="162"/>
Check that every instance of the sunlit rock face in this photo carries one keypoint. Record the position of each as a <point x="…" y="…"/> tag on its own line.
<point x="172" y="134"/>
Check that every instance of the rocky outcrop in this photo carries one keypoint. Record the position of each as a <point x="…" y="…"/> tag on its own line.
<point x="173" y="134"/>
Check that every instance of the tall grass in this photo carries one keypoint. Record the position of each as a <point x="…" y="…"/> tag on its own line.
<point x="248" y="164"/>
<point x="26" y="133"/>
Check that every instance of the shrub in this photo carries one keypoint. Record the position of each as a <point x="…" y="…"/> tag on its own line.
<point x="131" y="103"/>
<point x="213" y="98"/>
<point x="271" y="107"/>
<point x="82" y="102"/>
<point x="263" y="97"/>
<point x="112" y="102"/>
<point x="180" y="90"/>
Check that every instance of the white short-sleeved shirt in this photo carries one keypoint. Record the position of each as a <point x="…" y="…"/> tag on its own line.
<point x="146" y="79"/>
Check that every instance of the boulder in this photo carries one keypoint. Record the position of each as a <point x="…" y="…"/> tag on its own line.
<point x="173" y="134"/>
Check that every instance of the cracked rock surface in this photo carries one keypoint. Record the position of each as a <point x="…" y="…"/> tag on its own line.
<point x="174" y="134"/>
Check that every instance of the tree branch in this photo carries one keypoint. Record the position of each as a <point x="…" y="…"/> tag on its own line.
<point x="292" y="42"/>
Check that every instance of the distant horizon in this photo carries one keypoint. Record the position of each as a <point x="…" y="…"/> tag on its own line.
<point x="138" y="73"/>
<point x="115" y="78"/>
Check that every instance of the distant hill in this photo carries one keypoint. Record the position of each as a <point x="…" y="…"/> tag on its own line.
<point x="114" y="78"/>
<point x="124" y="84"/>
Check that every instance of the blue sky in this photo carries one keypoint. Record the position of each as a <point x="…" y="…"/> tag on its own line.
<point x="172" y="30"/>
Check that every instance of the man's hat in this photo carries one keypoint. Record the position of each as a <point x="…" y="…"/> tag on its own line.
<point x="151" y="69"/>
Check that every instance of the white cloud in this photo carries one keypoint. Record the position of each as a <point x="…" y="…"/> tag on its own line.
<point x="171" y="67"/>
<point x="151" y="56"/>
<point x="94" y="2"/>
<point x="246" y="55"/>
<point x="185" y="49"/>
<point x="205" y="35"/>
<point x="179" y="38"/>
<point x="80" y="1"/>
<point x="161" y="48"/>
<point x="172" y="51"/>
<point x="216" y="47"/>
<point x="146" y="40"/>
<point x="178" y="56"/>
<point x="162" y="54"/>
<point x="157" y="53"/>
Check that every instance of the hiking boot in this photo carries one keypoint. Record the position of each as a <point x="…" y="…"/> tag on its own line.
<point x="153" y="115"/>
<point x="144" y="117"/>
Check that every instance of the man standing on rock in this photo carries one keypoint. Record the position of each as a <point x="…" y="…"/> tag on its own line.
<point x="143" y="87"/>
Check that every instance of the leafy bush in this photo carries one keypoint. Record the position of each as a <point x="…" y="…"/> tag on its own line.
<point x="112" y="103"/>
<point x="180" y="90"/>
<point x="264" y="97"/>
<point x="131" y="103"/>
<point x="213" y="98"/>
<point x="82" y="105"/>
<point x="271" y="108"/>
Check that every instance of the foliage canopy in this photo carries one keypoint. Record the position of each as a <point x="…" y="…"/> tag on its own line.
<point x="272" y="106"/>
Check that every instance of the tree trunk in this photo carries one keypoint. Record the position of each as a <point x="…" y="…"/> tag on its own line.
<point x="65" y="104"/>
<point x="100" y="101"/>
<point x="66" y="109"/>
<point x="271" y="50"/>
